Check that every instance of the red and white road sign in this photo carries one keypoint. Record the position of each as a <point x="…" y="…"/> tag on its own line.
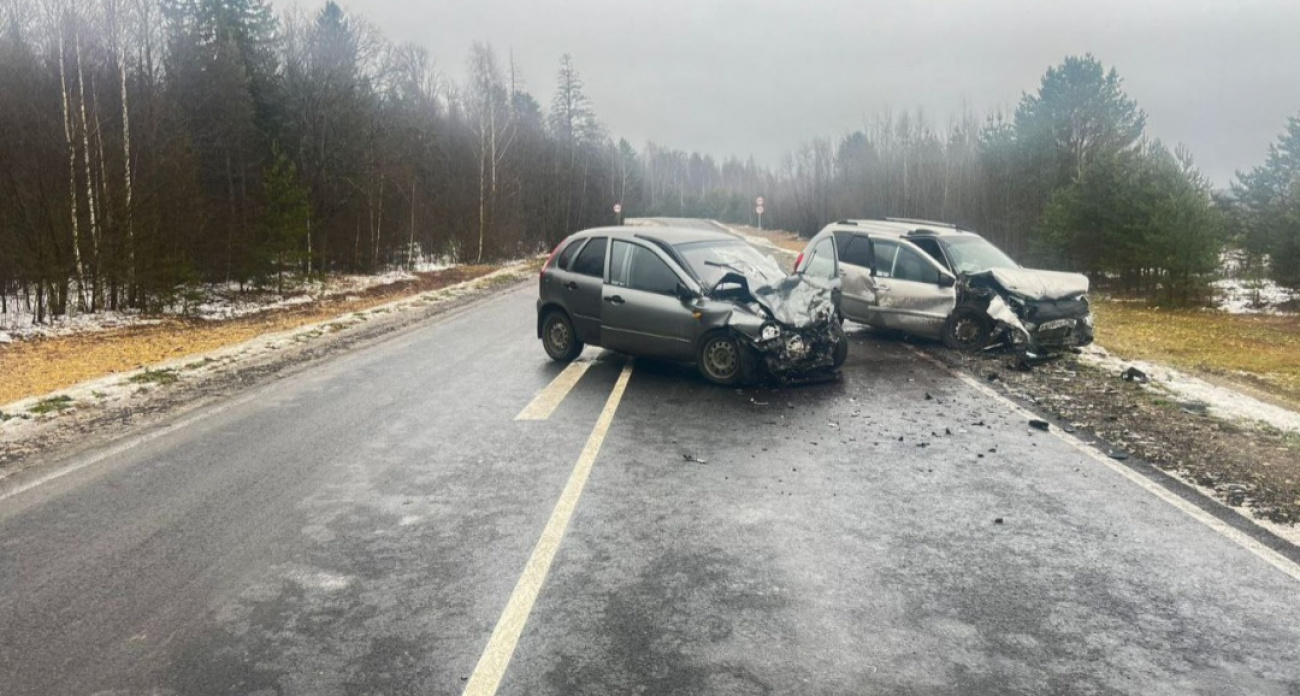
<point x="758" y="209"/>
<point x="759" y="202"/>
<point x="618" y="208"/>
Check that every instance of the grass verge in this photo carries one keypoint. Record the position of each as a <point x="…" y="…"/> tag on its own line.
<point x="45" y="365"/>
<point x="1259" y="351"/>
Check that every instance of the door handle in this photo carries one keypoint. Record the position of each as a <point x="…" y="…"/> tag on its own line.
<point x="571" y="285"/>
<point x="614" y="299"/>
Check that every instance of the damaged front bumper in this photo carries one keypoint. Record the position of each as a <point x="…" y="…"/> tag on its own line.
<point x="787" y="352"/>
<point x="1043" y="325"/>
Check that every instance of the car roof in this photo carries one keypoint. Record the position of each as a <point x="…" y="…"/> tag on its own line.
<point x="672" y="236"/>
<point x="902" y="227"/>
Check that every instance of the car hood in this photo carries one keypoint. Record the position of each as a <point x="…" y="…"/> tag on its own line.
<point x="1034" y="284"/>
<point x="794" y="301"/>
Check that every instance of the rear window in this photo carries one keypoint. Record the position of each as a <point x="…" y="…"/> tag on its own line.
<point x="591" y="260"/>
<point x="570" y="251"/>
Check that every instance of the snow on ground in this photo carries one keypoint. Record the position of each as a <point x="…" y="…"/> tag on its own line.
<point x="1240" y="296"/>
<point x="1220" y="402"/>
<point x="220" y="301"/>
<point x="120" y="386"/>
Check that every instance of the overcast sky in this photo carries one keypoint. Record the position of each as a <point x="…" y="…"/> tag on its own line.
<point x="759" y="76"/>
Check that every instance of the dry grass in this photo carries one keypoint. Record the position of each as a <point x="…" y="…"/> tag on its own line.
<point x="45" y="365"/>
<point x="1262" y="352"/>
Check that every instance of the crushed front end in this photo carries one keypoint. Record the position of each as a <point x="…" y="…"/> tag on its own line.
<point x="1037" y="311"/>
<point x="791" y="324"/>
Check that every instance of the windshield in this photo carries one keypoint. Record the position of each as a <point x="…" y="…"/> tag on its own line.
<point x="712" y="260"/>
<point x="973" y="255"/>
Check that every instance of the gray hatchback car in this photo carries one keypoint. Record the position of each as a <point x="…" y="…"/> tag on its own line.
<point x="692" y="296"/>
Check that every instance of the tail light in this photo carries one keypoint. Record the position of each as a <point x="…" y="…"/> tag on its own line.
<point x="799" y="261"/>
<point x="549" y="259"/>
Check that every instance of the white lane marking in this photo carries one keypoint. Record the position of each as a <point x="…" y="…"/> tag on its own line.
<point x="1226" y="530"/>
<point x="549" y="398"/>
<point x="501" y="646"/>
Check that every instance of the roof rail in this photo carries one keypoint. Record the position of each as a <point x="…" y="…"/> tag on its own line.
<point x="846" y="222"/>
<point x="932" y="223"/>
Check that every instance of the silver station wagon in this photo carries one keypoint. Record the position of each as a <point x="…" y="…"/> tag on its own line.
<point x="936" y="280"/>
<point x="692" y="296"/>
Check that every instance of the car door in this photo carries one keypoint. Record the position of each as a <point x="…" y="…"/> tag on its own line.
<point x="641" y="313"/>
<point x="915" y="294"/>
<point x="820" y="267"/>
<point x="857" y="286"/>
<point x="581" y="286"/>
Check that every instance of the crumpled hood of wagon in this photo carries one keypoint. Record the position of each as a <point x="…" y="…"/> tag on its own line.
<point x="1034" y="284"/>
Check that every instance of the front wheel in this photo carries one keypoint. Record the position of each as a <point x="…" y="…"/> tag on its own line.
<point x="721" y="359"/>
<point x="841" y="347"/>
<point x="967" y="330"/>
<point x="559" y="339"/>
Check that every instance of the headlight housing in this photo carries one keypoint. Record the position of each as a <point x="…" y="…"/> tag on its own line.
<point x="770" y="331"/>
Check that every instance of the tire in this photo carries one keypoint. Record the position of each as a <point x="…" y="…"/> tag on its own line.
<point x="841" y="347"/>
<point x="559" y="339"/>
<point x="967" y="330"/>
<point x="721" y="359"/>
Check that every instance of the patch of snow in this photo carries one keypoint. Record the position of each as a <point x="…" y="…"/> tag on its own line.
<point x="1220" y="402"/>
<point x="1241" y="296"/>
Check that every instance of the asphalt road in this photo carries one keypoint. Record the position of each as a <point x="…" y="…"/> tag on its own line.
<point x="361" y="528"/>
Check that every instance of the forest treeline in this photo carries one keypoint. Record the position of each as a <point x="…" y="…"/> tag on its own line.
<point x="148" y="146"/>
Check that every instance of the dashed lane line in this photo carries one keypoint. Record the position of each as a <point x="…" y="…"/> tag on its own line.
<point x="549" y="398"/>
<point x="501" y="646"/>
<point x="1224" y="529"/>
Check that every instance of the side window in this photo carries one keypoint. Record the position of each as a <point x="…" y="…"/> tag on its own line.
<point x="570" y="251"/>
<point x="857" y="252"/>
<point x="885" y="253"/>
<point x="822" y="263"/>
<point x="910" y="265"/>
<point x="618" y="263"/>
<point x="931" y="247"/>
<point x="649" y="273"/>
<point x="591" y="261"/>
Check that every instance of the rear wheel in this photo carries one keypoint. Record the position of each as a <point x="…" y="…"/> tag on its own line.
<point x="559" y="339"/>
<point x="967" y="330"/>
<point x="721" y="358"/>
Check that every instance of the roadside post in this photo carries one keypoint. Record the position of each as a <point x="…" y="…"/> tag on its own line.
<point x="758" y="208"/>
<point x="618" y="213"/>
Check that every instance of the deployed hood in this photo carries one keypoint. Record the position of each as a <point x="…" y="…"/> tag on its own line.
<point x="1033" y="284"/>
<point x="794" y="301"/>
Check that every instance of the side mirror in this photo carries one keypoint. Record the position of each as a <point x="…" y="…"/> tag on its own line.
<point x="946" y="281"/>
<point x="684" y="293"/>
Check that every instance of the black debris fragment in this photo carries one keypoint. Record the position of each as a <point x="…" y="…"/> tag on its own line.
<point x="693" y="459"/>
<point x="1039" y="424"/>
<point x="997" y="520"/>
<point x="1118" y="455"/>
<point x="992" y="377"/>
<point x="928" y="397"/>
<point x="1135" y="375"/>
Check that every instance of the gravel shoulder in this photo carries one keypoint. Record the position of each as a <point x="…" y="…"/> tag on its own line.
<point x="1241" y="464"/>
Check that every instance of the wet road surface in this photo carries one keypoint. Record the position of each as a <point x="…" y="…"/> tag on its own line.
<point x="362" y="528"/>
